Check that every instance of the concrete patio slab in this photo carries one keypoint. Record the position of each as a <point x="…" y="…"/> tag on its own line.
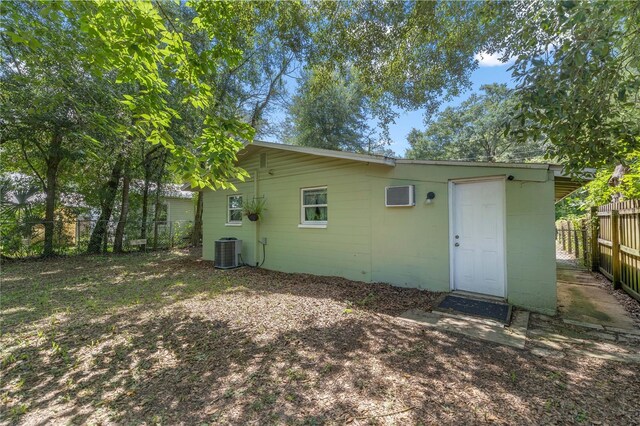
<point x="485" y="329"/>
<point x="582" y="301"/>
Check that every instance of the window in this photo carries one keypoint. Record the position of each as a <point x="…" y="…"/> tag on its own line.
<point x="314" y="206"/>
<point x="234" y="209"/>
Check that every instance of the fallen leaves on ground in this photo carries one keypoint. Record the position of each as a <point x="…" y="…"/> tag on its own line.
<point x="164" y="338"/>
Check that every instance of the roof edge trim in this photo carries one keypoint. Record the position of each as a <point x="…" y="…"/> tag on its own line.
<point x="388" y="161"/>
<point x="539" y="166"/>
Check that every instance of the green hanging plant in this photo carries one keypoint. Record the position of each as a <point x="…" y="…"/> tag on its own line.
<point x="254" y="209"/>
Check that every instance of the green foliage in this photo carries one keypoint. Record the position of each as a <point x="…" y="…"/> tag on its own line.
<point x="145" y="53"/>
<point x="20" y="210"/>
<point x="599" y="191"/>
<point x="408" y="54"/>
<point x="473" y="131"/>
<point x="579" y="85"/>
<point x="198" y="77"/>
<point x="18" y="198"/>
<point x="255" y="206"/>
<point x="146" y="48"/>
<point x="47" y="95"/>
<point x="253" y="87"/>
<point x="331" y="111"/>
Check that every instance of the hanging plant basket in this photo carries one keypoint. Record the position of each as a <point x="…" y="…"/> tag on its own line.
<point x="254" y="209"/>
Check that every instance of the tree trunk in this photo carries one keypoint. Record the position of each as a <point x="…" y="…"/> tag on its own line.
<point x="110" y="190"/>
<point x="259" y="108"/>
<point x="196" y="238"/>
<point x="124" y="210"/>
<point x="147" y="164"/>
<point x="145" y="208"/>
<point x="616" y="180"/>
<point x="54" y="158"/>
<point x="156" y="213"/>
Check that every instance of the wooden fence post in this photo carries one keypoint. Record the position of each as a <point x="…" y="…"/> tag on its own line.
<point x="583" y="235"/>
<point x="569" y="242"/>
<point x="595" y="247"/>
<point x="615" y="247"/>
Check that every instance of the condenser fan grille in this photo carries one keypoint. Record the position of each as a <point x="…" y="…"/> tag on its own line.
<point x="227" y="253"/>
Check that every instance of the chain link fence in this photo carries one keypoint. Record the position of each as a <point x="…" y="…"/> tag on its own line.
<point x="18" y="240"/>
<point x="573" y="242"/>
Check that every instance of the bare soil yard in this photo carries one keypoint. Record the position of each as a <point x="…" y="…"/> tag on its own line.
<point x="166" y="339"/>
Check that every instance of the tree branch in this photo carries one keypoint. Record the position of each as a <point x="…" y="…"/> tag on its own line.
<point x="26" y="158"/>
<point x="13" y="56"/>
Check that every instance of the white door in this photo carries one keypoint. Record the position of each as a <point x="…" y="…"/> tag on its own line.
<point x="477" y="237"/>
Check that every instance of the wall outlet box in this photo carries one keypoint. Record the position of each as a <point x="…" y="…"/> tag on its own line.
<point x="264" y="240"/>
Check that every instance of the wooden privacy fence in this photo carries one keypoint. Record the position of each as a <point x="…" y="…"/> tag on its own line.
<point x="616" y="250"/>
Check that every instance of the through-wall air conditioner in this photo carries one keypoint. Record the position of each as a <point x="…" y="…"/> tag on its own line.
<point x="227" y="254"/>
<point x="400" y="196"/>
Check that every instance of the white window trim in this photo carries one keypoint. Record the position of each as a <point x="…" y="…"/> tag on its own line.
<point x="229" y="222"/>
<point x="320" y="226"/>
<point x="311" y="223"/>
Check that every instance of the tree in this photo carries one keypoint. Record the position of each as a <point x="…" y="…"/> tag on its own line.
<point x="607" y="186"/>
<point x="578" y="78"/>
<point x="254" y="86"/>
<point x="118" y="238"/>
<point x="474" y="131"/>
<point x="141" y="44"/>
<point x="108" y="193"/>
<point x="409" y="55"/>
<point x="48" y="100"/>
<point x="331" y="111"/>
<point x="431" y="144"/>
<point x="19" y="202"/>
<point x="19" y="196"/>
<point x="58" y="55"/>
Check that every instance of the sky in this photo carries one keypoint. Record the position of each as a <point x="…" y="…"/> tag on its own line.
<point x="490" y="70"/>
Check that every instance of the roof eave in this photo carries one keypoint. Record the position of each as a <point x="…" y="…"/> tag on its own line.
<point x="387" y="161"/>
<point x="539" y="166"/>
<point x="565" y="184"/>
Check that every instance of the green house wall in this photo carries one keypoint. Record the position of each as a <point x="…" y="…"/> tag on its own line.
<point x="366" y="241"/>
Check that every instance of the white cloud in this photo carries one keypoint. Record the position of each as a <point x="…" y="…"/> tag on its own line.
<point x="491" y="60"/>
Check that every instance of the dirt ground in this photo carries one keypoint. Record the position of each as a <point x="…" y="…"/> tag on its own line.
<point x="166" y="339"/>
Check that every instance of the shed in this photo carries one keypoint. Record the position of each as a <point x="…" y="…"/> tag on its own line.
<point x="176" y="203"/>
<point x="481" y="228"/>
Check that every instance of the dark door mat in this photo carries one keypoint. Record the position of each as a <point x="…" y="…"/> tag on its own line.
<point x="481" y="308"/>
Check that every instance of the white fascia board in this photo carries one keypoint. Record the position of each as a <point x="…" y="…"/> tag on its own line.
<point x="388" y="161"/>
<point x="538" y="166"/>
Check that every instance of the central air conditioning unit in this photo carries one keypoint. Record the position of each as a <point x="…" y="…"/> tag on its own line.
<point x="400" y="196"/>
<point x="227" y="254"/>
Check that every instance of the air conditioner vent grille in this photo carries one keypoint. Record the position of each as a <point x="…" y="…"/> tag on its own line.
<point x="400" y="196"/>
<point x="227" y="253"/>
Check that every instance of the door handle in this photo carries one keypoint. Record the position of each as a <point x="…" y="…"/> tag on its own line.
<point x="457" y="244"/>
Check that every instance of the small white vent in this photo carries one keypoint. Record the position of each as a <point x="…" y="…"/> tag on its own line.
<point x="263" y="160"/>
<point x="400" y="196"/>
